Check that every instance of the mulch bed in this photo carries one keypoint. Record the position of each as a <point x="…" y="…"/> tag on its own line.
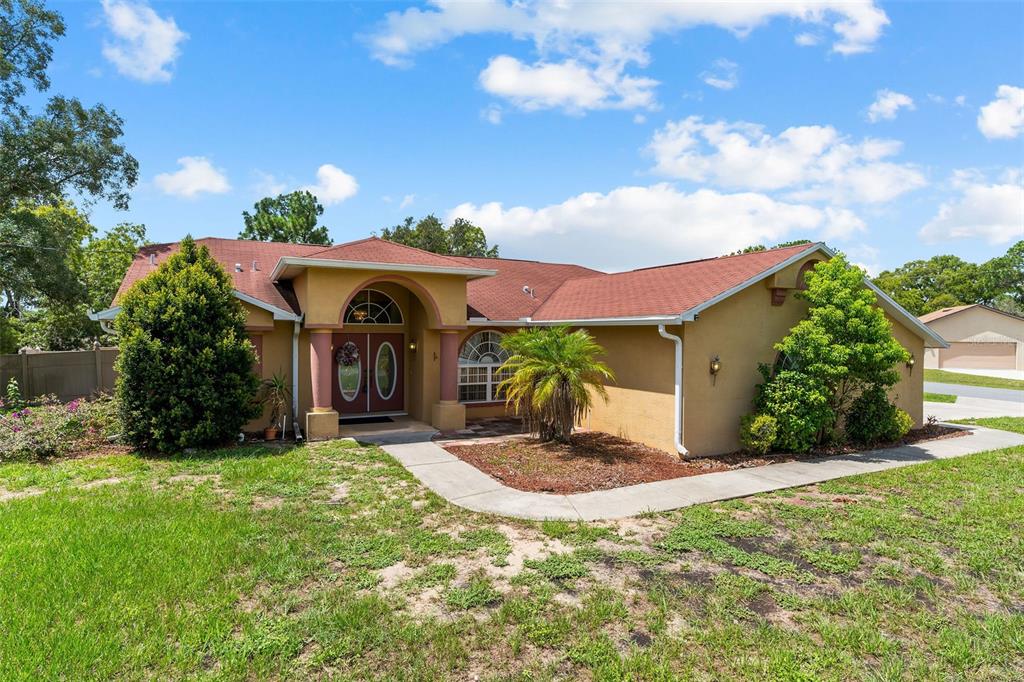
<point x="599" y="461"/>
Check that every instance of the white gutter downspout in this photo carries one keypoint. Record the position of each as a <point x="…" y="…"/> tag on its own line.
<point x="295" y="380"/>
<point x="680" y="448"/>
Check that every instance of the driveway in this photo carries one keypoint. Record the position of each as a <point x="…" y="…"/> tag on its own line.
<point x="1007" y="394"/>
<point x="968" y="408"/>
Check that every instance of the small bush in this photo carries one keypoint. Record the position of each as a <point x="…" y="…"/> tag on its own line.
<point x="758" y="433"/>
<point x="100" y="417"/>
<point x="800" y="405"/>
<point x="873" y="418"/>
<point x="41" y="432"/>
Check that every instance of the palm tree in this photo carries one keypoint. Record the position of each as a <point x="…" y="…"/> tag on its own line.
<point x="552" y="375"/>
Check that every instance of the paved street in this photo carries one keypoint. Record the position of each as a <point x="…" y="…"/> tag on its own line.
<point x="976" y="391"/>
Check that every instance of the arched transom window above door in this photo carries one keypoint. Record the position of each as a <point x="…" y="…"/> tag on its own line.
<point x="370" y="306"/>
<point x="480" y="359"/>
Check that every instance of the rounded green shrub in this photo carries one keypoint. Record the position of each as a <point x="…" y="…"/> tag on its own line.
<point x="873" y="418"/>
<point x="185" y="367"/>
<point x="800" y="405"/>
<point x="758" y="433"/>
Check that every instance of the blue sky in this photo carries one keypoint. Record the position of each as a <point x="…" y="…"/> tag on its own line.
<point x="616" y="136"/>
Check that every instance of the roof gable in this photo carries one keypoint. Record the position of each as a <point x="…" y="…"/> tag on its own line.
<point x="377" y="250"/>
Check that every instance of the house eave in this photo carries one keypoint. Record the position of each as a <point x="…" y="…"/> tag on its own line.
<point x="579" y="322"/>
<point x="278" y="313"/>
<point x="282" y="269"/>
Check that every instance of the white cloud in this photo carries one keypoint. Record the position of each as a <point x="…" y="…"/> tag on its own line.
<point x="993" y="212"/>
<point x="1003" y="117"/>
<point x="810" y="162"/>
<point x="865" y="257"/>
<point x="887" y="104"/>
<point x="407" y="201"/>
<point x="651" y="224"/>
<point x="492" y="114"/>
<point x="598" y="41"/>
<point x="807" y="39"/>
<point x="145" y="45"/>
<point x="569" y="85"/>
<point x="960" y="100"/>
<point x="333" y="185"/>
<point x="196" y="176"/>
<point x="639" y="119"/>
<point x="267" y="185"/>
<point x="723" y="74"/>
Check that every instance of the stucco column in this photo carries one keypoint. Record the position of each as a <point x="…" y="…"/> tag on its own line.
<point x="449" y="366"/>
<point x="449" y="414"/>
<point x="320" y="368"/>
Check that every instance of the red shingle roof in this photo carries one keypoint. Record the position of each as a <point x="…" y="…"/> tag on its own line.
<point x="665" y="290"/>
<point x="377" y="250"/>
<point x="558" y="291"/>
<point x="501" y="297"/>
<point x="228" y="252"/>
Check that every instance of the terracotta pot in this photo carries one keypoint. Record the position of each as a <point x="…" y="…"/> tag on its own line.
<point x="270" y="433"/>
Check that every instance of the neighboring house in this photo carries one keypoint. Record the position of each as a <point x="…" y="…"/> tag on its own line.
<point x="373" y="327"/>
<point x="980" y="337"/>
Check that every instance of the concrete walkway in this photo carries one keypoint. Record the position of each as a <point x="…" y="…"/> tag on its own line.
<point x="466" y="486"/>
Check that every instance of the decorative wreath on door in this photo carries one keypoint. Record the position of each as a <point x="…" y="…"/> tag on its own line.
<point x="347" y="355"/>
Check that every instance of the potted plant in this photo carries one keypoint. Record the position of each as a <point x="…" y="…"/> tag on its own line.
<point x="274" y="393"/>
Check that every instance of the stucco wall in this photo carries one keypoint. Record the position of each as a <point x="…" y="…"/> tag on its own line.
<point x="276" y="352"/>
<point x="742" y="331"/>
<point x="641" y="400"/>
<point x="257" y="319"/>
<point x="325" y="292"/>
<point x="978" y="324"/>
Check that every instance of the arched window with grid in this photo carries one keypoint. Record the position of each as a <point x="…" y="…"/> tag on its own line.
<point x="479" y="361"/>
<point x="370" y="306"/>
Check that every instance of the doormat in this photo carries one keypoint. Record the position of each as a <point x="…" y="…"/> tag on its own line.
<point x="348" y="421"/>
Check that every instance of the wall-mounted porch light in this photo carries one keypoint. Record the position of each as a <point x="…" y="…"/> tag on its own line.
<point x="910" y="364"/>
<point x="412" y="345"/>
<point x="716" y="365"/>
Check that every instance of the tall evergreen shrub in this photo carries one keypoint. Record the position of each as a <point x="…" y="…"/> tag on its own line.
<point x="185" y="367"/>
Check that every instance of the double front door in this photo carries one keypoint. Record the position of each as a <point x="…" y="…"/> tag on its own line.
<point x="368" y="373"/>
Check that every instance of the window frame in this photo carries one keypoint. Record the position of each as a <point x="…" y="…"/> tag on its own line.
<point x="491" y="380"/>
<point x="354" y="304"/>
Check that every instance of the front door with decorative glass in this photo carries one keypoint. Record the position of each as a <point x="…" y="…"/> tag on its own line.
<point x="368" y="376"/>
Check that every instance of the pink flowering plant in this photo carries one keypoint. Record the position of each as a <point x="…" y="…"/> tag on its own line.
<point x="53" y="429"/>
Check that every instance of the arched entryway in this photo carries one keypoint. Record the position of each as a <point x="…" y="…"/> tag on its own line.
<point x="368" y="374"/>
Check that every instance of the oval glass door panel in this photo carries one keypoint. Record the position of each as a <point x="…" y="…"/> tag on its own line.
<point x="387" y="369"/>
<point x="350" y="371"/>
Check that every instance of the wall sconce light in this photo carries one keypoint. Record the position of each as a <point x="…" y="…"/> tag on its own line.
<point x="716" y="365"/>
<point x="412" y="345"/>
<point x="910" y="364"/>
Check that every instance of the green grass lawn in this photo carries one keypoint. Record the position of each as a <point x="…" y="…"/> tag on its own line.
<point x="939" y="398"/>
<point x="942" y="376"/>
<point x="1015" y="424"/>
<point x="330" y="560"/>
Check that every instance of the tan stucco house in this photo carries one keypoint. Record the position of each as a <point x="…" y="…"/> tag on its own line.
<point x="979" y="336"/>
<point x="371" y="327"/>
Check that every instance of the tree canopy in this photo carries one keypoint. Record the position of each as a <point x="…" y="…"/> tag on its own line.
<point x="69" y="149"/>
<point x="286" y="218"/>
<point x="462" y="238"/>
<point x="922" y="286"/>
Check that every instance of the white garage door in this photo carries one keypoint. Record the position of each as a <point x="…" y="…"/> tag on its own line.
<point x="979" y="355"/>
